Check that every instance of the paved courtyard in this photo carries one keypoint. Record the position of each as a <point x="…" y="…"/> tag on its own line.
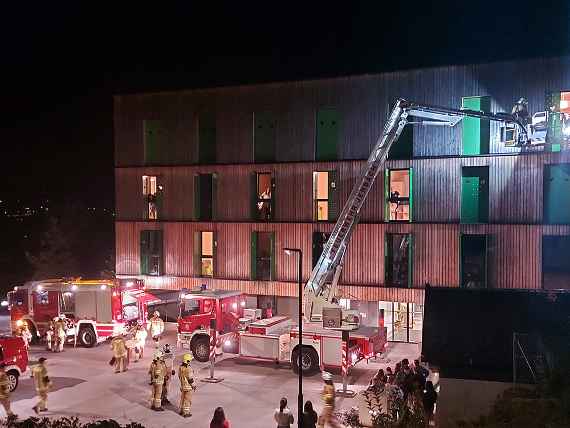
<point x="85" y="386"/>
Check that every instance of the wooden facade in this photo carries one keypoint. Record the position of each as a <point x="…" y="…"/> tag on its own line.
<point x="515" y="226"/>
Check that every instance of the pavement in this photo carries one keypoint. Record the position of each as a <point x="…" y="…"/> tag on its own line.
<point x="86" y="386"/>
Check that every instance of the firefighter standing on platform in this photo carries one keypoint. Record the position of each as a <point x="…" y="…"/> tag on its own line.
<point x="157" y="372"/>
<point x="119" y="353"/>
<point x="42" y="383"/>
<point x="186" y="377"/>
<point x="168" y="358"/>
<point x="327" y="417"/>
<point x="5" y="392"/>
<point x="156" y="327"/>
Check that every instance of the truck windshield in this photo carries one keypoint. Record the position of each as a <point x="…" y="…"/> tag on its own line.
<point x="189" y="307"/>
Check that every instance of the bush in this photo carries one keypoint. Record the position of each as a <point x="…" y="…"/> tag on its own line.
<point x="65" y="422"/>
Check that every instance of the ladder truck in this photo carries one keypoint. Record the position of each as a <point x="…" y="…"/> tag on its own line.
<point x="324" y="321"/>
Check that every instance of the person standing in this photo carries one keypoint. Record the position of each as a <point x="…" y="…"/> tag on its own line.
<point x="119" y="353"/>
<point x="140" y="338"/>
<point x="156" y="327"/>
<point x="5" y="392"/>
<point x="283" y="415"/>
<point x="186" y="377"/>
<point x="42" y="383"/>
<point x="50" y="339"/>
<point x="429" y="400"/>
<point x="310" y="417"/>
<point x="157" y="372"/>
<point x="61" y="332"/>
<point x="25" y="334"/>
<point x="219" y="419"/>
<point x="168" y="358"/>
<point x="327" y="417"/>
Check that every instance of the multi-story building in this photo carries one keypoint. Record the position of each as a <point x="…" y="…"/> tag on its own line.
<point x="211" y="184"/>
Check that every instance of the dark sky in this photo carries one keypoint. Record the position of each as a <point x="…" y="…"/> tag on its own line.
<point x="61" y="63"/>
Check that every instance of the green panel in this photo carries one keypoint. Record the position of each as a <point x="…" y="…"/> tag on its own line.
<point x="476" y="132"/>
<point x="207" y="138"/>
<point x="155" y="141"/>
<point x="264" y="135"/>
<point x="387" y="258"/>
<point x="386" y="195"/>
<point x="159" y="197"/>
<point x="273" y="200"/>
<point x="557" y="194"/>
<point x="475" y="195"/>
<point x="272" y="250"/>
<point x="410" y="260"/>
<point x="253" y="256"/>
<point x="196" y="197"/>
<point x="403" y="148"/>
<point x="158" y="250"/>
<point x="253" y="198"/>
<point x="197" y="254"/>
<point x="333" y="205"/>
<point x="144" y="251"/>
<point x="328" y="131"/>
<point x="411" y="203"/>
<point x="554" y="122"/>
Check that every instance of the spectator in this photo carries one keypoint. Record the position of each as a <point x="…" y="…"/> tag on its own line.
<point x="219" y="420"/>
<point x="283" y="415"/>
<point x="310" y="417"/>
<point x="389" y="375"/>
<point x="429" y="400"/>
<point x="420" y="370"/>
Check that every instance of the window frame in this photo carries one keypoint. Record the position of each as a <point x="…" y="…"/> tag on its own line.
<point x="316" y="200"/>
<point x="483" y="216"/>
<point x="388" y="198"/>
<point x="259" y="200"/>
<point x="389" y="255"/>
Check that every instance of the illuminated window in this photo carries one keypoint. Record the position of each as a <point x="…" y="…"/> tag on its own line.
<point x="398" y="194"/>
<point x="324" y="196"/>
<point x="263" y="200"/>
<point x="152" y="197"/>
<point x="207" y="254"/>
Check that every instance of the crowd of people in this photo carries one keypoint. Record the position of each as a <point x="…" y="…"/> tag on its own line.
<point x="406" y="384"/>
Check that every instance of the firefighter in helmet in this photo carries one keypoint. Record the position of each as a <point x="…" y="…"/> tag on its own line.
<point x="156" y="327"/>
<point x="157" y="372"/>
<point x="42" y="383"/>
<point x="327" y="417"/>
<point x="50" y="335"/>
<point x="119" y="353"/>
<point x="61" y="331"/>
<point x="140" y="339"/>
<point x="25" y="333"/>
<point x="187" y="385"/>
<point x="5" y="392"/>
<point x="168" y="358"/>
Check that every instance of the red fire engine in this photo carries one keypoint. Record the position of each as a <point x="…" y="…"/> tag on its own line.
<point x="94" y="309"/>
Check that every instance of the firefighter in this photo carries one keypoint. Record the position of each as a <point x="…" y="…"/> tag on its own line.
<point x="140" y="339"/>
<point x="61" y="331"/>
<point x="168" y="358"/>
<point x="42" y="383"/>
<point x="156" y="327"/>
<point x="5" y="392"/>
<point x="157" y="372"/>
<point x="327" y="417"/>
<point x="50" y="335"/>
<point x="25" y="333"/>
<point x="186" y="377"/>
<point x="119" y="353"/>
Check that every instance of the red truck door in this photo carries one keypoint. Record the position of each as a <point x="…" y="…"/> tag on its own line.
<point x="46" y="305"/>
<point x="18" y="301"/>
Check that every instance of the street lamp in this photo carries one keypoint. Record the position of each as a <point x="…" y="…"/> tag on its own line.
<point x="299" y="253"/>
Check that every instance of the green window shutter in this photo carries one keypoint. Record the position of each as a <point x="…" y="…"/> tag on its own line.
<point x="197" y="210"/>
<point x="554" y="121"/>
<point x="214" y="214"/>
<point x="387" y="259"/>
<point x="144" y="251"/>
<point x="476" y="132"/>
<point x="333" y="204"/>
<point x="273" y="200"/>
<point x="214" y="253"/>
<point x="207" y="138"/>
<point x="264" y="137"/>
<point x="557" y="194"/>
<point x="159" y="250"/>
<point x="197" y="254"/>
<point x="410" y="260"/>
<point x="159" y="197"/>
<point x="253" y="256"/>
<point x="328" y="131"/>
<point x="386" y="195"/>
<point x="475" y="195"/>
<point x="253" y="199"/>
<point x="411" y="203"/>
<point x="272" y="255"/>
<point x="144" y="207"/>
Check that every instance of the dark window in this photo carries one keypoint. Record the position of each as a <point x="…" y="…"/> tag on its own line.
<point x="476" y="132"/>
<point x="263" y="202"/>
<point x="204" y="253"/>
<point x="152" y="191"/>
<point x="555" y="266"/>
<point x="557" y="120"/>
<point x="328" y="131"/>
<point x="398" y="189"/>
<point x="207" y="138"/>
<point x="557" y="193"/>
<point x="473" y="261"/>
<point x="403" y="148"/>
<point x="474" y="194"/>
<point x="325" y="200"/>
<point x="319" y="241"/>
<point x="151" y="252"/>
<point x="155" y="141"/>
<point x="204" y="196"/>
<point x="263" y="256"/>
<point x="264" y="136"/>
<point x="398" y="256"/>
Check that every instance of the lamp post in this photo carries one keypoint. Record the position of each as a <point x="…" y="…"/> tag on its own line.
<point x="299" y="253"/>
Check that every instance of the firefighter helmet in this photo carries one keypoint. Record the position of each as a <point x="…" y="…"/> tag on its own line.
<point x="187" y="358"/>
<point x="157" y="354"/>
<point x="156" y="313"/>
<point x="327" y="376"/>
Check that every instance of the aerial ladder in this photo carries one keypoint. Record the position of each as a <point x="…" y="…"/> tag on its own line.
<point x="321" y="288"/>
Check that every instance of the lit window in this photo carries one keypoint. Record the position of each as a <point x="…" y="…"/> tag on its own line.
<point x="150" y="195"/>
<point x="207" y="254"/>
<point x="321" y="195"/>
<point x="398" y="194"/>
<point x="264" y="196"/>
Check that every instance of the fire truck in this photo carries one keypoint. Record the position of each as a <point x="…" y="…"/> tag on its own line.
<point x="95" y="310"/>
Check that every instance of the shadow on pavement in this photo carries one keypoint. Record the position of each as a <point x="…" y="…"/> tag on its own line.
<point x="27" y="390"/>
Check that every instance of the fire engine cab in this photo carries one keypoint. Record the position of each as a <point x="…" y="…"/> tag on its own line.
<point x="94" y="309"/>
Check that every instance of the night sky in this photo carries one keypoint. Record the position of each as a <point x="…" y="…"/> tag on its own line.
<point x="61" y="64"/>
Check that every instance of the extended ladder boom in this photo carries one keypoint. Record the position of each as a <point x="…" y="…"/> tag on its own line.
<point x="321" y="287"/>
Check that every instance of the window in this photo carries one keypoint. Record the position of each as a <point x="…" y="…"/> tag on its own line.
<point x="324" y="196"/>
<point x="557" y="194"/>
<point x="204" y="196"/>
<point x="264" y="136"/>
<point x="151" y="262"/>
<point x="555" y="266"/>
<point x="473" y="261"/>
<point x="263" y="191"/>
<point x="476" y="132"/>
<point x="557" y="107"/>
<point x="207" y="138"/>
<point x="155" y="140"/>
<point x="403" y="321"/>
<point x="398" y="256"/>
<point x="204" y="253"/>
<point x="474" y="194"/>
<point x="403" y="148"/>
<point x="67" y="302"/>
<point x="319" y="241"/>
<point x="263" y="256"/>
<point x="398" y="189"/>
<point x="42" y="297"/>
<point x="152" y="197"/>
<point x="327" y="129"/>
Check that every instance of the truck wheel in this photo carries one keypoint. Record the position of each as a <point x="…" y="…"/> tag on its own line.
<point x="87" y="337"/>
<point x="201" y="349"/>
<point x="310" y="362"/>
<point x="12" y="379"/>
